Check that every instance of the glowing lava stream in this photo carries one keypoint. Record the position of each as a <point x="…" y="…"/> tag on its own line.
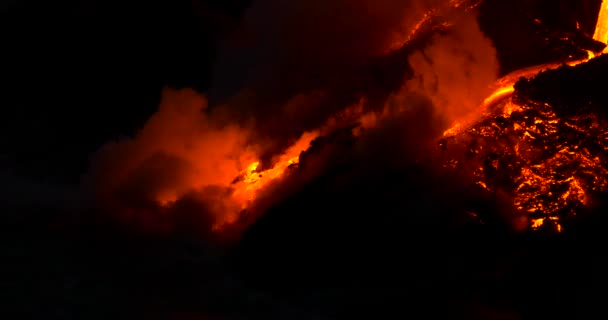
<point x="526" y="199"/>
<point x="250" y="181"/>
<point x="601" y="28"/>
<point x="547" y="161"/>
<point x="503" y="88"/>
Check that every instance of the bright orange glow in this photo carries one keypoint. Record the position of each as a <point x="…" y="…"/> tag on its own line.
<point x="601" y="28"/>
<point x="183" y="150"/>
<point x="504" y="87"/>
<point x="550" y="175"/>
<point x="184" y="153"/>
<point x="537" y="223"/>
<point x="499" y="93"/>
<point x="453" y="130"/>
<point x="250" y="180"/>
<point x="537" y="155"/>
<point x="536" y="181"/>
<point x="536" y="177"/>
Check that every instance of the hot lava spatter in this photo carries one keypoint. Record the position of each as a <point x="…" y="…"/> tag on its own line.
<point x="549" y="161"/>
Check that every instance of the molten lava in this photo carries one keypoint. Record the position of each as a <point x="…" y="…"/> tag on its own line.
<point x="251" y="180"/>
<point x="601" y="29"/>
<point x="548" y="162"/>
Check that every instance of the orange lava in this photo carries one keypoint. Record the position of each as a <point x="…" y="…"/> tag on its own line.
<point x="209" y="155"/>
<point x="503" y="88"/>
<point x="250" y="180"/>
<point x="548" y="180"/>
<point x="601" y="28"/>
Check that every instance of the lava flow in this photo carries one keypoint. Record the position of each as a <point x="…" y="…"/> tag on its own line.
<point x="193" y="155"/>
<point x="549" y="161"/>
<point x="250" y="180"/>
<point x="601" y="29"/>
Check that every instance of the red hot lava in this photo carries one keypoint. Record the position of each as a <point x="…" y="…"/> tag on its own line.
<point x="188" y="152"/>
<point x="547" y="162"/>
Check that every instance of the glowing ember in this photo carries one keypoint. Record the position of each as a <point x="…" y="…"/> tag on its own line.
<point x="549" y="162"/>
<point x="538" y="223"/>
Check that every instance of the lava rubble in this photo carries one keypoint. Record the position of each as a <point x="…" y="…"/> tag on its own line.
<point x="546" y="146"/>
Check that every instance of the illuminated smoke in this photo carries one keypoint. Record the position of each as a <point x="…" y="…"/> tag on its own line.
<point x="180" y="149"/>
<point x="328" y="54"/>
<point x="455" y="71"/>
<point x="294" y="75"/>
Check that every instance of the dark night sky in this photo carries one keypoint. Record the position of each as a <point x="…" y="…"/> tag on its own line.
<point x="78" y="74"/>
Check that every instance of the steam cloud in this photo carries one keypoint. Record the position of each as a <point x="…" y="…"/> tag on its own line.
<point x="291" y="68"/>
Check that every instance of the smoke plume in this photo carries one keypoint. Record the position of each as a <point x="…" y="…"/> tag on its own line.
<point x="455" y="71"/>
<point x="295" y="71"/>
<point x="331" y="54"/>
